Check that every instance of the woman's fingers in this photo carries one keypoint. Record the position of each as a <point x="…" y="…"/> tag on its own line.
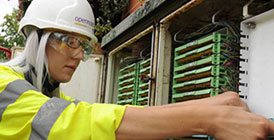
<point x="271" y="128"/>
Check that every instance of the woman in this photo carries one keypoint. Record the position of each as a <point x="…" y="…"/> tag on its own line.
<point x="32" y="107"/>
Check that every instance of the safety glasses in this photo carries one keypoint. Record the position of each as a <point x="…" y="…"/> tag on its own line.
<point x="71" y="45"/>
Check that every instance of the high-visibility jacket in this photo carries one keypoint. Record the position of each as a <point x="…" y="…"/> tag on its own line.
<point x="27" y="114"/>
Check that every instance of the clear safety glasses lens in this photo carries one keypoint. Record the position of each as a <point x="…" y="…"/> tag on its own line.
<point x="71" y="45"/>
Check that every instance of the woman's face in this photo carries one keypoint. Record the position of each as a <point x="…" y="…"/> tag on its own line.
<point x="61" y="66"/>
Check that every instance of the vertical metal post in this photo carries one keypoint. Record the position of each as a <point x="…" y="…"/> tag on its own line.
<point x="110" y="82"/>
<point x="154" y="59"/>
<point x="102" y="94"/>
<point x="163" y="66"/>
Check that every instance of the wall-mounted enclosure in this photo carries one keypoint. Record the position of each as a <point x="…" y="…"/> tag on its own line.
<point x="193" y="49"/>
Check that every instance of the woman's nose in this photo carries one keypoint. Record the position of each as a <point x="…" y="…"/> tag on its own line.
<point x="79" y="56"/>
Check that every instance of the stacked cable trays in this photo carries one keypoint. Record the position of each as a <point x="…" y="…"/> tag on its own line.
<point x="128" y="84"/>
<point x="202" y="69"/>
<point x="143" y="90"/>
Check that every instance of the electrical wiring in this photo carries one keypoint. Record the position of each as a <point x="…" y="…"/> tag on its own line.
<point x="175" y="37"/>
<point x="232" y="58"/>
<point x="231" y="52"/>
<point x="232" y="29"/>
<point x="223" y="89"/>
<point x="225" y="55"/>
<point x="200" y="32"/>
<point x="228" y="81"/>
<point x="233" y="74"/>
<point x="227" y="46"/>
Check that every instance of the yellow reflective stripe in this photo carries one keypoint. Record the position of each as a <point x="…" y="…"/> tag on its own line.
<point x="46" y="117"/>
<point x="12" y="92"/>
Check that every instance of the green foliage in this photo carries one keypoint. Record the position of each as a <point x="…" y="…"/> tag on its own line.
<point x="109" y="15"/>
<point x="110" y="8"/>
<point x="9" y="36"/>
<point x="102" y="27"/>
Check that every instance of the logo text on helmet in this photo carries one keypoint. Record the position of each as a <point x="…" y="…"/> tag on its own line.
<point x="80" y="20"/>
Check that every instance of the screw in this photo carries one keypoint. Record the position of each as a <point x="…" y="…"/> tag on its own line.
<point x="250" y="25"/>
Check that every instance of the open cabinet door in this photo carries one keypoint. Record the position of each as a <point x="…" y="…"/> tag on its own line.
<point x="86" y="81"/>
<point x="257" y="78"/>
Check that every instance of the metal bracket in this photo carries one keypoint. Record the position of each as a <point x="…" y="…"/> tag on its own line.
<point x="245" y="10"/>
<point x="213" y="17"/>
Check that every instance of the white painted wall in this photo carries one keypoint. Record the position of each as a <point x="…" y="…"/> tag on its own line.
<point x="260" y="65"/>
<point x="85" y="83"/>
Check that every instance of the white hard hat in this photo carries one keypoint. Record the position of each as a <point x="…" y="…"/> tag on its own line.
<point x="67" y="15"/>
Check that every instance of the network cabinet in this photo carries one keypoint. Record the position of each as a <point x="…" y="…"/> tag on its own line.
<point x="197" y="49"/>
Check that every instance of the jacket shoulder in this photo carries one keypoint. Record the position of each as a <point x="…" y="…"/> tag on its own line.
<point x="7" y="75"/>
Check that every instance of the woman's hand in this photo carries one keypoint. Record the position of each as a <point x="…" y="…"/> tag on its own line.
<point x="228" y="98"/>
<point x="234" y="123"/>
<point x="224" y="117"/>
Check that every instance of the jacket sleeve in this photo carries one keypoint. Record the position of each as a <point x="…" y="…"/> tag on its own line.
<point x="96" y="122"/>
<point x="28" y="114"/>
